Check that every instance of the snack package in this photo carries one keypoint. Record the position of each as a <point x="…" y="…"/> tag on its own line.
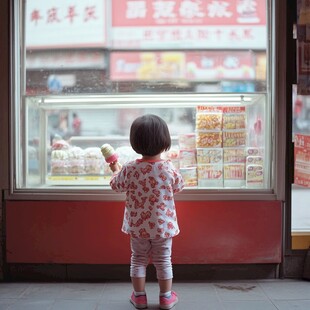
<point x="234" y="175"/>
<point x="234" y="138"/>
<point x="234" y="155"/>
<point x="210" y="175"/>
<point x="234" y="121"/>
<point x="187" y="141"/>
<point x="254" y="151"/>
<point x="209" y="139"/>
<point x="234" y="171"/>
<point x="254" y="160"/>
<point x="76" y="160"/>
<point x="209" y="156"/>
<point x="208" y="121"/>
<point x="93" y="160"/>
<point x="59" y="162"/>
<point x="187" y="158"/>
<point x="254" y="176"/>
<point x="126" y="154"/>
<point x="173" y="156"/>
<point x="189" y="175"/>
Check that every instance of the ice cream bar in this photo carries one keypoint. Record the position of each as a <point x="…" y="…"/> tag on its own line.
<point x="108" y="153"/>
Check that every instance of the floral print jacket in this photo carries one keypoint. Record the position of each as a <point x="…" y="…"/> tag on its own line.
<point x="150" y="187"/>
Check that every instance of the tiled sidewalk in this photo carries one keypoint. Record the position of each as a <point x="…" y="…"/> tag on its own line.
<point x="221" y="295"/>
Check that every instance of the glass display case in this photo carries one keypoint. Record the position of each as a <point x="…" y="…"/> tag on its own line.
<point x="219" y="141"/>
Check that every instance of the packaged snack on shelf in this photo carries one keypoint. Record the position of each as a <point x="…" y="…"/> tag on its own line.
<point x="234" y="118"/>
<point x="208" y="121"/>
<point x="93" y="160"/>
<point x="209" y="156"/>
<point x="187" y="158"/>
<point x="234" y="138"/>
<point x="187" y="141"/>
<point x="125" y="154"/>
<point x="59" y="162"/>
<point x="210" y="175"/>
<point x="234" y="155"/>
<point x="76" y="160"/>
<point x="254" y="160"/>
<point x="209" y="139"/>
<point x="254" y="176"/>
<point x="173" y="156"/>
<point x="254" y="151"/>
<point x="189" y="175"/>
<point x="176" y="162"/>
<point x="234" y="121"/>
<point x="234" y="175"/>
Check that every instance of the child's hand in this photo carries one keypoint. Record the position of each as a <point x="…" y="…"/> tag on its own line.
<point x="115" y="167"/>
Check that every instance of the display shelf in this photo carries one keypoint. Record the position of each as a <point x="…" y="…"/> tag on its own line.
<point x="236" y="122"/>
<point x="78" y="180"/>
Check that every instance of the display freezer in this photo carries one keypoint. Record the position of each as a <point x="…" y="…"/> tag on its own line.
<point x="232" y="216"/>
<point x="219" y="141"/>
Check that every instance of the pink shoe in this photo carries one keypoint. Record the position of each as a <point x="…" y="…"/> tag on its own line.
<point x="168" y="302"/>
<point x="140" y="302"/>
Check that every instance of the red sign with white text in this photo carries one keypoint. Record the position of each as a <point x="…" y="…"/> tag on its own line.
<point x="128" y="13"/>
<point x="302" y="160"/>
<point x="193" y="66"/>
<point x="189" y="23"/>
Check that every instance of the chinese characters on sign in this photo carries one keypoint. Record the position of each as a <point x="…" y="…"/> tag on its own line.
<point x="189" y="24"/>
<point x="54" y="15"/>
<point x="188" y="12"/>
<point x="146" y="24"/>
<point x="66" y="23"/>
<point x="302" y="160"/>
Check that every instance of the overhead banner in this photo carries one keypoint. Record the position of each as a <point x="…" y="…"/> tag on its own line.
<point x="65" y="24"/>
<point x="235" y="24"/>
<point x="194" y="66"/>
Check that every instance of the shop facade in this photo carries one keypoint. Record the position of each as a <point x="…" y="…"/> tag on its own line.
<point x="60" y="218"/>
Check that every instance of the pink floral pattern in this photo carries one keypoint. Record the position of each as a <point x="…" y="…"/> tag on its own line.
<point x="150" y="187"/>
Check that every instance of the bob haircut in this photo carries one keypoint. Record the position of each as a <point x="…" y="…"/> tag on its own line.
<point x="149" y="135"/>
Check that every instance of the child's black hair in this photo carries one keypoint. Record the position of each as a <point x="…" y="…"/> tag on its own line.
<point x="149" y="135"/>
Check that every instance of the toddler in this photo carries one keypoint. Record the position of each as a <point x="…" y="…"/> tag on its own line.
<point x="150" y="215"/>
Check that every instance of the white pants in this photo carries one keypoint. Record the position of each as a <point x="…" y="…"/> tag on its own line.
<point x="159" y="250"/>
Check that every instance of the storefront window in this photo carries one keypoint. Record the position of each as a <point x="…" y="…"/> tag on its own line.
<point x="91" y="67"/>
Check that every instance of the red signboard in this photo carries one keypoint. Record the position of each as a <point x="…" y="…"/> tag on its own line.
<point x="302" y="160"/>
<point x="193" y="66"/>
<point x="128" y="13"/>
<point x="189" y="24"/>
